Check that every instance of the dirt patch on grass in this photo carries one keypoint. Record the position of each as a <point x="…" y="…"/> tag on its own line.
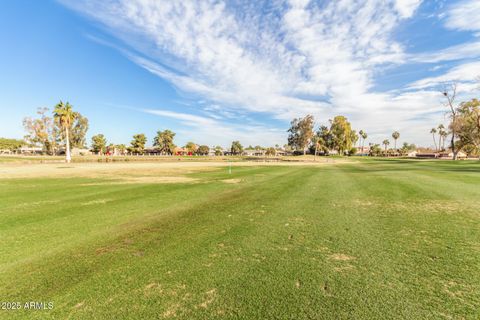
<point x="114" y="169"/>
<point x="94" y="202"/>
<point x="210" y="297"/>
<point x="35" y="204"/>
<point x="341" y="257"/>
<point x="233" y="181"/>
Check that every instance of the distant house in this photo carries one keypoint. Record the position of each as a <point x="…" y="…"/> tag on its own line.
<point x="429" y="155"/>
<point x="80" y="152"/>
<point x="362" y="151"/>
<point x="460" y="155"/>
<point x="178" y="151"/>
<point x="6" y="151"/>
<point x="254" y="152"/>
<point x="282" y="152"/>
<point x="151" y="151"/>
<point x="412" y="154"/>
<point x="30" y="150"/>
<point x="212" y="151"/>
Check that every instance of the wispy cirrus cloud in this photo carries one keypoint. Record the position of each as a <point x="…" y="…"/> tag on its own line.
<point x="283" y="59"/>
<point x="464" y="73"/>
<point x="463" y="15"/>
<point x="210" y="129"/>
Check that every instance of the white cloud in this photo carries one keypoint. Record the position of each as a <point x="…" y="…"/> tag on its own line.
<point x="468" y="72"/>
<point x="459" y="52"/>
<point x="209" y="130"/>
<point x="464" y="15"/>
<point x="406" y="8"/>
<point x="291" y="59"/>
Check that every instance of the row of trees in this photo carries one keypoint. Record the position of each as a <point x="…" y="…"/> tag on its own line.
<point x="10" y="144"/>
<point x="338" y="135"/>
<point x="64" y="125"/>
<point x="163" y="143"/>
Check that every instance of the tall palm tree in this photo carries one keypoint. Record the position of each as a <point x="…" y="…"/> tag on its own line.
<point x="444" y="134"/>
<point x="360" y="134"/>
<point x="433" y="131"/>
<point x="395" y="136"/>
<point x="64" y="116"/>
<point x="440" y="135"/>
<point x="386" y="143"/>
<point x="364" y="136"/>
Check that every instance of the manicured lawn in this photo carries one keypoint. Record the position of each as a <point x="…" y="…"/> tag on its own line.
<point x="374" y="239"/>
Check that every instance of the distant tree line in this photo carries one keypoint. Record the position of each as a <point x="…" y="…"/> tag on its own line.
<point x="10" y="144"/>
<point x="60" y="130"/>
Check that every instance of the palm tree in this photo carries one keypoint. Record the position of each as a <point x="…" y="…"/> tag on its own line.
<point x="433" y="131"/>
<point x="316" y="142"/>
<point x="364" y="136"/>
<point x="444" y="134"/>
<point x="360" y="134"/>
<point x="64" y="116"/>
<point x="440" y="135"/>
<point x="395" y="136"/>
<point x="386" y="143"/>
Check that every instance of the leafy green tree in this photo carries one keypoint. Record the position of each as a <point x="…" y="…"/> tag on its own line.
<point x="191" y="147"/>
<point x="341" y="131"/>
<point x="218" y="151"/>
<point x="99" y="144"/>
<point x="137" y="145"/>
<point x="301" y="133"/>
<point x="121" y="148"/>
<point x="10" y="144"/>
<point x="203" y="150"/>
<point x="64" y="116"/>
<point x="79" y="130"/>
<point x="468" y="126"/>
<point x="236" y="148"/>
<point x="375" y="149"/>
<point x="395" y="136"/>
<point x="407" y="147"/>
<point x="42" y="131"/>
<point x="164" y="142"/>
<point x="353" y="138"/>
<point x="325" y="139"/>
<point x="271" y="152"/>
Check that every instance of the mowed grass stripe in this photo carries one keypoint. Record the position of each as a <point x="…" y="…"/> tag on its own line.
<point x="345" y="241"/>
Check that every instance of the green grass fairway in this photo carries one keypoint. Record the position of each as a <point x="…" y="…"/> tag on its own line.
<point x="371" y="239"/>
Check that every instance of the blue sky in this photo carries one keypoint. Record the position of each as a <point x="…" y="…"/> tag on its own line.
<point x="216" y="71"/>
